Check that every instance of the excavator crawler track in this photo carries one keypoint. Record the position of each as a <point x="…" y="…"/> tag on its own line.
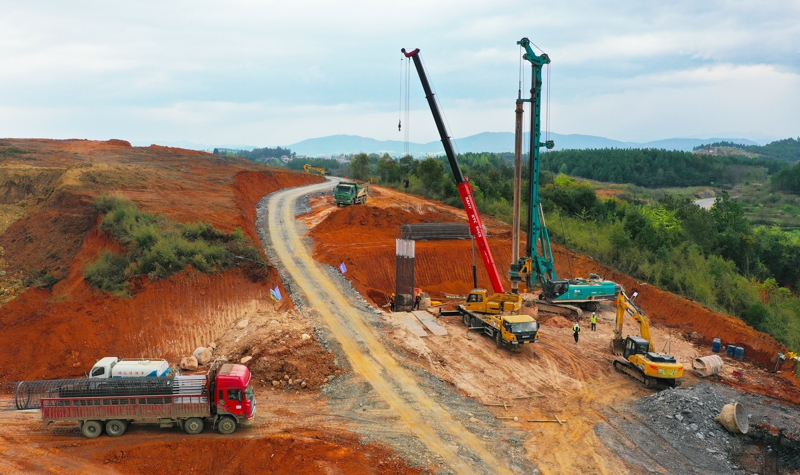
<point x="625" y="367"/>
<point x="569" y="311"/>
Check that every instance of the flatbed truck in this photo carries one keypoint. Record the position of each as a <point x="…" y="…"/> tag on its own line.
<point x="223" y="398"/>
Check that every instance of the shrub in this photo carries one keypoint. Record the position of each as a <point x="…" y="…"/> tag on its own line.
<point x="159" y="248"/>
<point x="108" y="272"/>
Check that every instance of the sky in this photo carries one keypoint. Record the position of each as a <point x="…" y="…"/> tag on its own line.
<point x="269" y="73"/>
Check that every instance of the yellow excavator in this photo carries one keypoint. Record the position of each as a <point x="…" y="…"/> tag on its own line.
<point x="308" y="168"/>
<point x="640" y="361"/>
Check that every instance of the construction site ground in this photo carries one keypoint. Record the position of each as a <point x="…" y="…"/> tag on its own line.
<point x="342" y="386"/>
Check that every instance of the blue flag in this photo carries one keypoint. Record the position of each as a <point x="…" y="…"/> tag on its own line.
<point x="342" y="268"/>
<point x="275" y="294"/>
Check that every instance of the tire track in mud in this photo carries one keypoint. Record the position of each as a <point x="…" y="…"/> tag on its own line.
<point x="397" y="386"/>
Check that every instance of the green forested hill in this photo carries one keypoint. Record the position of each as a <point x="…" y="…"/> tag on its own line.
<point x="653" y="168"/>
<point x="787" y="150"/>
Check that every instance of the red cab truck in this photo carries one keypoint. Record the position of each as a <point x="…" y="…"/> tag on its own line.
<point x="223" y="399"/>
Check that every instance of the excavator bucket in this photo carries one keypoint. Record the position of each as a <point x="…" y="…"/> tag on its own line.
<point x="617" y="346"/>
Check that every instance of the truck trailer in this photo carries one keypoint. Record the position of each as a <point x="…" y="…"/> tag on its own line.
<point x="223" y="398"/>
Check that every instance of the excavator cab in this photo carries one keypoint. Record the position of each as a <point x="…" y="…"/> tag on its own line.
<point x="635" y="345"/>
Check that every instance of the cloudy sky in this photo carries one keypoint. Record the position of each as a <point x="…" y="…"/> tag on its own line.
<point x="268" y="73"/>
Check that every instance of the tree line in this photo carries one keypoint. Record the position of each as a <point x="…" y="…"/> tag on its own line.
<point x="787" y="150"/>
<point x="658" y="168"/>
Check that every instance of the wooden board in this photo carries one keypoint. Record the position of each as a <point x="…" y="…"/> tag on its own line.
<point x="430" y="322"/>
<point x="411" y="323"/>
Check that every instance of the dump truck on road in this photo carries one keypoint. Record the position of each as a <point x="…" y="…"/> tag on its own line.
<point x="350" y="193"/>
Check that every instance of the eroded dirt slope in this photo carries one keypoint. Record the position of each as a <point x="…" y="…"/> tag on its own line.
<point x="50" y="185"/>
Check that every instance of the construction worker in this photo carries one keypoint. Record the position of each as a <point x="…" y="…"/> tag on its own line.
<point x="416" y="301"/>
<point x="391" y="302"/>
<point x="576" y="330"/>
<point x="594" y="321"/>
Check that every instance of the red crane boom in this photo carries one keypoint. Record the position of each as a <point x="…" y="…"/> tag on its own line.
<point x="464" y="188"/>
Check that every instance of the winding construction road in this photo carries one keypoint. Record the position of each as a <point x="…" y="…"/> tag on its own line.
<point x="421" y="414"/>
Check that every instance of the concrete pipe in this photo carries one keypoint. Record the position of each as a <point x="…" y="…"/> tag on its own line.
<point x="708" y="365"/>
<point x="734" y="418"/>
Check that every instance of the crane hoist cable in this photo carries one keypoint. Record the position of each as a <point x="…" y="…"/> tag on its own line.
<point x="400" y="98"/>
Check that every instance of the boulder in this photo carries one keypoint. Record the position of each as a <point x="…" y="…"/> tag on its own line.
<point x="189" y="363"/>
<point x="305" y="336"/>
<point x="245" y="359"/>
<point x="203" y="355"/>
<point x="243" y="323"/>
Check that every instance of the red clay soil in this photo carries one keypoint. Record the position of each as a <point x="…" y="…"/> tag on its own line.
<point x="363" y="237"/>
<point x="73" y="325"/>
<point x="48" y="240"/>
<point x="293" y="453"/>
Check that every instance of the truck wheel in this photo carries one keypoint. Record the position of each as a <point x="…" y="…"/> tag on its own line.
<point x="115" y="428"/>
<point x="465" y="319"/>
<point x="498" y="338"/>
<point x="91" y="429"/>
<point x="226" y="425"/>
<point x="193" y="426"/>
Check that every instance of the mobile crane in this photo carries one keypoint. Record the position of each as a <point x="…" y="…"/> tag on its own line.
<point x="537" y="265"/>
<point x="496" y="314"/>
<point x="640" y="361"/>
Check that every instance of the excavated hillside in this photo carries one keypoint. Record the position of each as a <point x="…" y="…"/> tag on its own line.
<point x="316" y="411"/>
<point x="50" y="227"/>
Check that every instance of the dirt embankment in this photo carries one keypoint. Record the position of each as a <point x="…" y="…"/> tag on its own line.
<point x="54" y="183"/>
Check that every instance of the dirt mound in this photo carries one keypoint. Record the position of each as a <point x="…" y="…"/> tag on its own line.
<point x="303" y="452"/>
<point x="371" y="217"/>
<point x="554" y="321"/>
<point x="282" y="347"/>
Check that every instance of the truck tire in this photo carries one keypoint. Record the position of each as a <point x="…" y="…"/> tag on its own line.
<point x="193" y="426"/>
<point x="91" y="429"/>
<point x="465" y="319"/>
<point x="115" y="428"/>
<point x="498" y="338"/>
<point x="226" y="425"/>
<point x="473" y="322"/>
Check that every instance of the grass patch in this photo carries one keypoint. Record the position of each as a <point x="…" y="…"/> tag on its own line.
<point x="158" y="248"/>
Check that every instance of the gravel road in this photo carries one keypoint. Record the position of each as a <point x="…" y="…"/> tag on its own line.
<point x="407" y="408"/>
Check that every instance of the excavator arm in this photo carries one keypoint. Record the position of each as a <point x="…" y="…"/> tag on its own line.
<point x="308" y="168"/>
<point x="464" y="188"/>
<point x="625" y="305"/>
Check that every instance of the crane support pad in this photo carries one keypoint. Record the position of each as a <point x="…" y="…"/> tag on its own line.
<point x="411" y="323"/>
<point x="428" y="320"/>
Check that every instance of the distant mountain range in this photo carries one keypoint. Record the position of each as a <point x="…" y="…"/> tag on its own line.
<point x="483" y="142"/>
